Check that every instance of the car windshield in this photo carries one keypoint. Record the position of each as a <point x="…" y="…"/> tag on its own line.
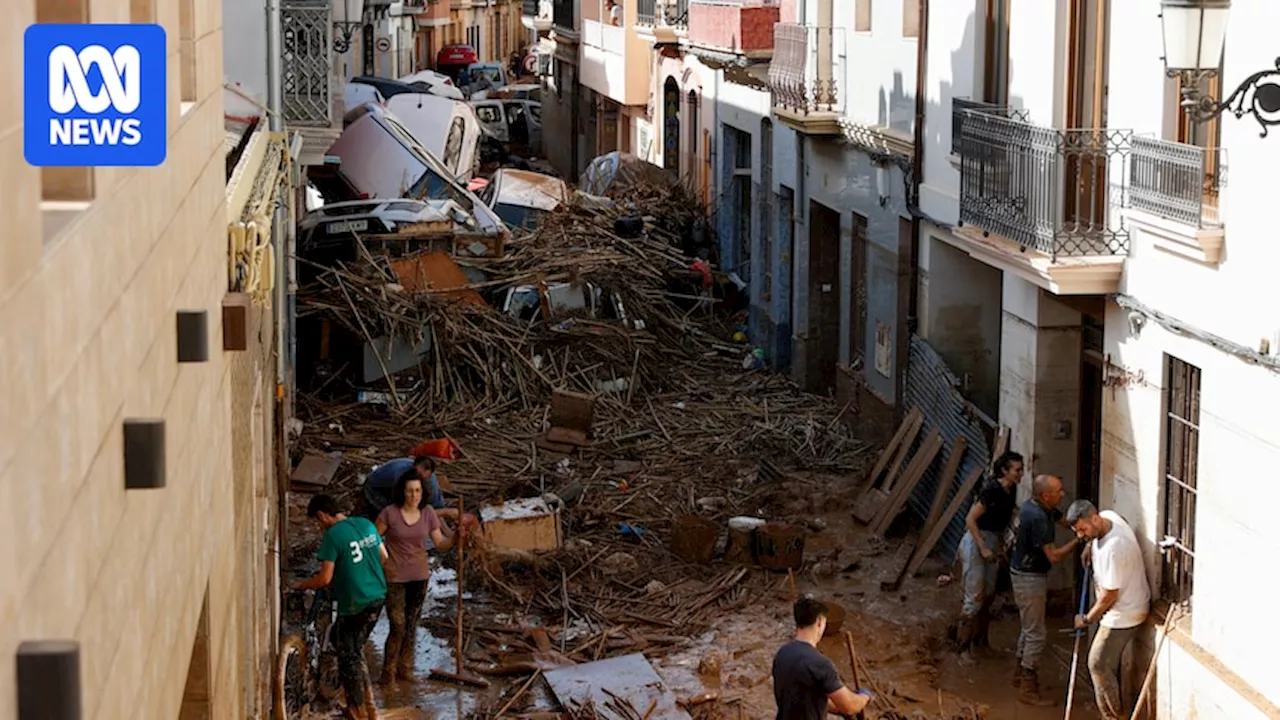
<point x="518" y="217"/>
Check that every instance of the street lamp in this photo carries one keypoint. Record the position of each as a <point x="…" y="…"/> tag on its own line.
<point x="352" y="18"/>
<point x="1194" y="34"/>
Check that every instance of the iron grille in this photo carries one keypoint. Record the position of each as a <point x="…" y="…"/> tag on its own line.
<point x="646" y="12"/>
<point x="1176" y="181"/>
<point x="1181" y="477"/>
<point x="1043" y="188"/>
<point x="960" y="105"/>
<point x="306" y="63"/>
<point x="530" y="8"/>
<point x="807" y="61"/>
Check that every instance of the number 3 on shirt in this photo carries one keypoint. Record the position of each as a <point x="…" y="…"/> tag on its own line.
<point x="356" y="553"/>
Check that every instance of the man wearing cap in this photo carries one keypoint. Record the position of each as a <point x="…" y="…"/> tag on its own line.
<point x="1123" y="597"/>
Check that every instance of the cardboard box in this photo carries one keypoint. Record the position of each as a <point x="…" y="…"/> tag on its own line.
<point x="528" y="524"/>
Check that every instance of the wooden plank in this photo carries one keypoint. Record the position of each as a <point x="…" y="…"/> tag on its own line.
<point x="924" y="548"/>
<point x="891" y="477"/>
<point x="912" y="478"/>
<point x="945" y="480"/>
<point x="883" y="461"/>
<point x="886" y="498"/>
<point x="868" y="506"/>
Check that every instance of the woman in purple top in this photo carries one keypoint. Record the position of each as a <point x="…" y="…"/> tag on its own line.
<point x="405" y="525"/>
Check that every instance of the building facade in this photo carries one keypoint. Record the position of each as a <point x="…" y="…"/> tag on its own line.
<point x="170" y="594"/>
<point x="1091" y="273"/>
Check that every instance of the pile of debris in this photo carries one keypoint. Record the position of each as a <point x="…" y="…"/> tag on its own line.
<point x="674" y="425"/>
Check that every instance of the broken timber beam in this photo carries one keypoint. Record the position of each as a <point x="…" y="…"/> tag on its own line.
<point x="872" y="499"/>
<point x="933" y="534"/>
<point x="945" y="480"/>
<point x="910" y="479"/>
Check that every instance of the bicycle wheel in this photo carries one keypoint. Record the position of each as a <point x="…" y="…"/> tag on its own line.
<point x="291" y="690"/>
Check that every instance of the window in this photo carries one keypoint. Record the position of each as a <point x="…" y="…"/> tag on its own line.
<point x="1207" y="136"/>
<point x="453" y="144"/>
<point x="142" y="11"/>
<point x="187" y="52"/>
<point x="911" y="18"/>
<point x="995" y="79"/>
<point x="67" y="189"/>
<point x="862" y="16"/>
<point x="1181" y="475"/>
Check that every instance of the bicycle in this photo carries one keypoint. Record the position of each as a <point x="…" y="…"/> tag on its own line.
<point x="307" y="665"/>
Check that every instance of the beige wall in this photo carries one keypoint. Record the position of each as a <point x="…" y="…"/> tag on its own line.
<point x="87" y="336"/>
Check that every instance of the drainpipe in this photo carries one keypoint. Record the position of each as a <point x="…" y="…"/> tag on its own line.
<point x="917" y="173"/>
<point x="275" y="120"/>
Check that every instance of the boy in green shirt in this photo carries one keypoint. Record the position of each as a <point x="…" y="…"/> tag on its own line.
<point x="351" y="556"/>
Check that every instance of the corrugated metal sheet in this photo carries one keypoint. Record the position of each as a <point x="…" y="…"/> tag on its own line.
<point x="933" y="388"/>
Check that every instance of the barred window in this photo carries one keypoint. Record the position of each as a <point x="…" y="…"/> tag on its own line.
<point x="1181" y="475"/>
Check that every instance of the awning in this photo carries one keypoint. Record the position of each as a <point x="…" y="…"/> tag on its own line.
<point x="457" y="55"/>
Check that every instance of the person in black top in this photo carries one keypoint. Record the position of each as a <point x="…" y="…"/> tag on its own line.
<point x="1034" y="554"/>
<point x="986" y="523"/>
<point x="806" y="685"/>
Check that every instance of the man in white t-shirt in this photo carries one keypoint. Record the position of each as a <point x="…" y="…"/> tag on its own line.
<point x="1123" y="597"/>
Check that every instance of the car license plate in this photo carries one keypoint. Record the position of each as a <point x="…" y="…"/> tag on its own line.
<point x="347" y="226"/>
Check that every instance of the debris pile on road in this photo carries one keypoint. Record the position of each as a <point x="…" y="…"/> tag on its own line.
<point x="678" y="426"/>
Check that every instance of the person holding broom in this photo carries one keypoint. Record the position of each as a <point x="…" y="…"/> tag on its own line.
<point x="806" y="685"/>
<point x="406" y="524"/>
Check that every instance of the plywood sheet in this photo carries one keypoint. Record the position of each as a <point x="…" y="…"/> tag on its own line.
<point x="628" y="676"/>
<point x="434" y="271"/>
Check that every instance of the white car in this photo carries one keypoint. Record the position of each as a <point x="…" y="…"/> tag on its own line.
<point x="435" y="83"/>
<point x="522" y="197"/>
<point x="375" y="217"/>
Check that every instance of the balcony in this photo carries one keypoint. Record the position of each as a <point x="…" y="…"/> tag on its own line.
<point x="808" y="62"/>
<point x="959" y="108"/>
<point x="563" y="15"/>
<point x="530" y="8"/>
<point x="1039" y="201"/>
<point x="1173" y="196"/>
<point x="615" y="62"/>
<point x="742" y="28"/>
<point x="311" y="106"/>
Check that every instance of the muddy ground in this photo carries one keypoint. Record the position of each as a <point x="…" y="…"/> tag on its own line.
<point x="900" y="637"/>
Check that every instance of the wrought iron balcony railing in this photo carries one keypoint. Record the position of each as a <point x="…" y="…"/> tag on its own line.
<point x="959" y="106"/>
<point x="1176" y="181"/>
<point x="646" y="12"/>
<point x="562" y="14"/>
<point x="677" y="13"/>
<point x="530" y="9"/>
<point x="306" y="62"/>
<point x="807" y="62"/>
<point x="1043" y="188"/>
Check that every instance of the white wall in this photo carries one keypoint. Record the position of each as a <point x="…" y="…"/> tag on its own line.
<point x="880" y="78"/>
<point x="1239" y="450"/>
<point x="244" y="55"/>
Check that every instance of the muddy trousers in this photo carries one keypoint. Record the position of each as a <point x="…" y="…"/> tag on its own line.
<point x="404" y="607"/>
<point x="350" y="633"/>
<point x="1104" y="668"/>
<point x="1030" y="591"/>
<point x="977" y="575"/>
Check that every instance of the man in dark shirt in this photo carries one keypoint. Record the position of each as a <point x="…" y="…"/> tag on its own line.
<point x="986" y="523"/>
<point x="806" y="685"/>
<point x="377" y="487"/>
<point x="1033" y="555"/>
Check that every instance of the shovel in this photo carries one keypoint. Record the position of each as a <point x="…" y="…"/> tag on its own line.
<point x="1075" y="654"/>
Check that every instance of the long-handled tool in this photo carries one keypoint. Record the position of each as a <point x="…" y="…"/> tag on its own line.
<point x="1075" y="654"/>
<point x="458" y="676"/>
<point x="853" y="664"/>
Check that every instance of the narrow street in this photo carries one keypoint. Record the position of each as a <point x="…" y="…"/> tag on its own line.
<point x="685" y="433"/>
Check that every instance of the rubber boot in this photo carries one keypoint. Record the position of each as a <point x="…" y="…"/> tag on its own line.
<point x="388" y="676"/>
<point x="1030" y="694"/>
<point x="982" y="626"/>
<point x="964" y="639"/>
<point x="370" y="707"/>
<point x="1015" y="678"/>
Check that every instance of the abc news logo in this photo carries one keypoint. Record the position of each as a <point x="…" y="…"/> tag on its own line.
<point x="95" y="95"/>
<point x="121" y="90"/>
